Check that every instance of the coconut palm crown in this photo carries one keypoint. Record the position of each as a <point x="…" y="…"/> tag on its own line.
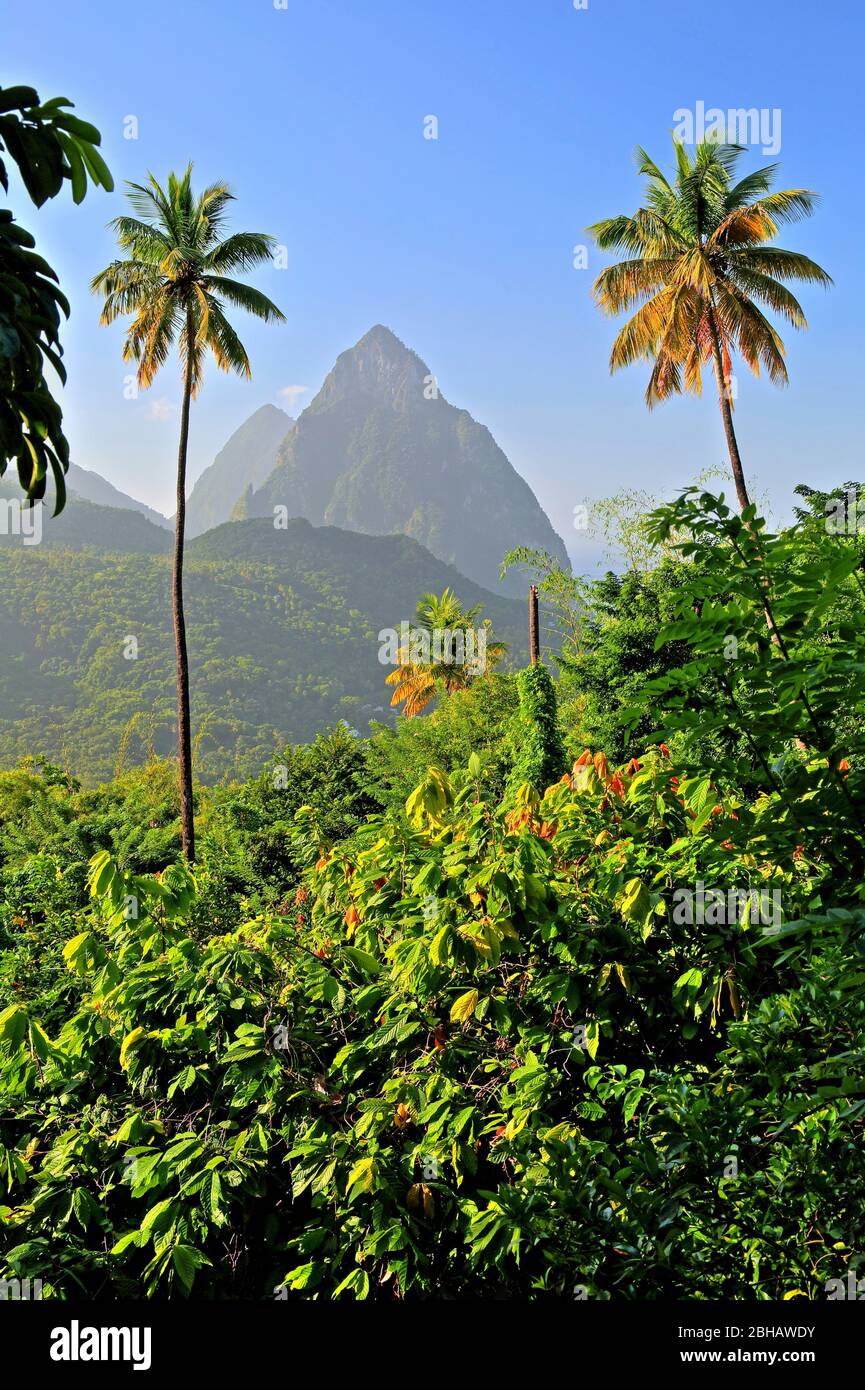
<point x="700" y="273"/>
<point x="174" y="278"/>
<point x="417" y="682"/>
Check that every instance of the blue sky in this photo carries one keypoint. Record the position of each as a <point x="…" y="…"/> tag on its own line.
<point x="462" y="245"/>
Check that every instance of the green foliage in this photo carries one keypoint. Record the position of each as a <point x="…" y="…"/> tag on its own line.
<point x="42" y="805"/>
<point x="327" y="779"/>
<point x="49" y="146"/>
<point x="464" y="1066"/>
<point x="619" y="652"/>
<point x="607" y="630"/>
<point x="777" y="651"/>
<point x="477" y="720"/>
<point x="539" y="755"/>
<point x="562" y="594"/>
<point x="604" y="1039"/>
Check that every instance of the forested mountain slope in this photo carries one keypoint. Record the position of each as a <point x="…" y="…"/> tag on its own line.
<point x="283" y="638"/>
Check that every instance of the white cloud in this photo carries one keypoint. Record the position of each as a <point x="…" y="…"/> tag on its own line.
<point x="161" y="409"/>
<point x="292" y="394"/>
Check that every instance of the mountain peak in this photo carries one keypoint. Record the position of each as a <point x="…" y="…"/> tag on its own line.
<point x="244" y="462"/>
<point x="383" y="339"/>
<point x="380" y="451"/>
<point x="379" y="364"/>
<point x="269" y="412"/>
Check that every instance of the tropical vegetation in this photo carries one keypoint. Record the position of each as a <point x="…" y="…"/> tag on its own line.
<point x="551" y="986"/>
<point x="597" y="1035"/>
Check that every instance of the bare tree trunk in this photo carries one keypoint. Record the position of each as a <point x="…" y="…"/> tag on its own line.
<point x="534" y="626"/>
<point x="184" y="738"/>
<point x="727" y="416"/>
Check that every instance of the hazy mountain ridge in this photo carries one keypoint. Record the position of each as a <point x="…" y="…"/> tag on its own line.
<point x="85" y="488"/>
<point x="245" y="461"/>
<point x="92" y="487"/>
<point x="379" y="450"/>
<point x="82" y="524"/>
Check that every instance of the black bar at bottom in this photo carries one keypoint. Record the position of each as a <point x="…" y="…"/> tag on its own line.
<point x="68" y="1339"/>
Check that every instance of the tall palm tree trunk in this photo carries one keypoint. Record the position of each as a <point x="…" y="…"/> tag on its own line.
<point x="184" y="738"/>
<point x="727" y="416"/>
<point x="735" y="457"/>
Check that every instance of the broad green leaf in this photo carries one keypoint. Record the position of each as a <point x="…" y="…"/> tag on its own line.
<point x="129" y="1044"/>
<point x="464" y="1007"/>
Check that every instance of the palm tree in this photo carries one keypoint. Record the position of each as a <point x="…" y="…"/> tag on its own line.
<point x="440" y="654"/>
<point x="699" y="267"/>
<point x="173" y="280"/>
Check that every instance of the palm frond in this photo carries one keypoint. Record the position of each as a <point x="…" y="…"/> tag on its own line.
<point x="642" y="333"/>
<point x="143" y="239"/>
<point x="415" y="688"/>
<point x="617" y="234"/>
<point x="790" y="204"/>
<point x="723" y="154"/>
<point x="150" y="337"/>
<point x="626" y="283"/>
<point x="665" y="380"/>
<point x="745" y="226"/>
<point x="227" y="349"/>
<point x="770" y="292"/>
<point x="751" y="186"/>
<point x="646" y="165"/>
<point x="151" y="203"/>
<point x="751" y="333"/>
<point x="241" y="251"/>
<point x="211" y="207"/>
<point x="245" y="297"/>
<point x="783" y="265"/>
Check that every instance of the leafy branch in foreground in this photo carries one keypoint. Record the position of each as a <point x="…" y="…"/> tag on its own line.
<point x="49" y="147"/>
<point x="796" y="690"/>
